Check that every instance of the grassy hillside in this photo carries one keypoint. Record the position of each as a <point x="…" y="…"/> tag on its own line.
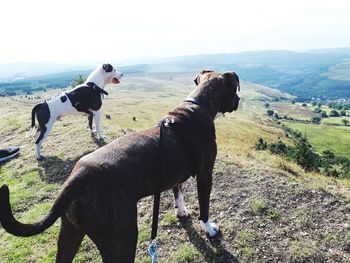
<point x="268" y="208"/>
<point x="293" y="110"/>
<point x="340" y="71"/>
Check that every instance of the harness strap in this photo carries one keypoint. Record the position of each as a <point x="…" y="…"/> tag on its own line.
<point x="96" y="88"/>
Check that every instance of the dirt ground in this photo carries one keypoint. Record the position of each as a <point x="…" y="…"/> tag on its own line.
<point x="263" y="217"/>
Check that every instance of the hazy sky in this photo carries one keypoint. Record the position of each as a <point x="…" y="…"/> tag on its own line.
<point x="81" y="31"/>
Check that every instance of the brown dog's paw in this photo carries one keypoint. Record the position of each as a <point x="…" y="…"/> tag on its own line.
<point x="182" y="213"/>
<point x="211" y="230"/>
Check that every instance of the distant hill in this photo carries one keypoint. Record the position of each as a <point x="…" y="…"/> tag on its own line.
<point x="304" y="74"/>
<point x="52" y="81"/>
<point x="18" y="71"/>
<point x="39" y="83"/>
<point x="319" y="73"/>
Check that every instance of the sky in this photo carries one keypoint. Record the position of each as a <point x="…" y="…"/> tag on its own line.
<point x="76" y="31"/>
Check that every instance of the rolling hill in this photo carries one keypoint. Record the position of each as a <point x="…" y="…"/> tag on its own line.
<point x="304" y="74"/>
<point x="320" y="74"/>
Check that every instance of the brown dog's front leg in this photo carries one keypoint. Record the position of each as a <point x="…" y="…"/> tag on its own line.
<point x="204" y="182"/>
<point x="180" y="208"/>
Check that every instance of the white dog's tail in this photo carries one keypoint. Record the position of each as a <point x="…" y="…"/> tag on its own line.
<point x="33" y="129"/>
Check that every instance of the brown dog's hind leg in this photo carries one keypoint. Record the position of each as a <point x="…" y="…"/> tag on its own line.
<point x="69" y="241"/>
<point x="118" y="242"/>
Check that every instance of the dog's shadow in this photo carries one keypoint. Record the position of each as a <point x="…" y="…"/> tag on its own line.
<point x="56" y="170"/>
<point x="211" y="249"/>
<point x="98" y="142"/>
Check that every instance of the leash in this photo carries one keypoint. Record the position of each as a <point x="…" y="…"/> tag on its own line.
<point x="153" y="247"/>
<point x="153" y="244"/>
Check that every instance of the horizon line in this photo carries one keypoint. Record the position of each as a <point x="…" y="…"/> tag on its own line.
<point x="136" y="60"/>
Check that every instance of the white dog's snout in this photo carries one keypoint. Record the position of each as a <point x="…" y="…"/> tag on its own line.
<point x="118" y="74"/>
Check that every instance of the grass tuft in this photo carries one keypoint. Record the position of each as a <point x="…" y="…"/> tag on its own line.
<point x="185" y="253"/>
<point x="303" y="251"/>
<point x="258" y="204"/>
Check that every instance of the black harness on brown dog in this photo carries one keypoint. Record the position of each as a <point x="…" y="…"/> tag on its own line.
<point x="197" y="102"/>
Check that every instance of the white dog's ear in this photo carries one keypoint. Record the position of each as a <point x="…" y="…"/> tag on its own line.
<point x="107" y="67"/>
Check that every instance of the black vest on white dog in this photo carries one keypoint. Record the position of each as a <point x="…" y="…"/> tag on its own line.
<point x="85" y="98"/>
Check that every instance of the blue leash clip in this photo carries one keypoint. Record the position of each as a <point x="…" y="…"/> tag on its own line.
<point x="153" y="250"/>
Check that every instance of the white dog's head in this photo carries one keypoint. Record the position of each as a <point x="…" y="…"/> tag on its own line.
<point x="111" y="74"/>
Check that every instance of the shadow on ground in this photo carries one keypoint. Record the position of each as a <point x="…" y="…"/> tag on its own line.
<point x="212" y="249"/>
<point x="56" y="170"/>
<point x="97" y="141"/>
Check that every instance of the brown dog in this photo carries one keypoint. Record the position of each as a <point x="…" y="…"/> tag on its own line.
<point x="99" y="199"/>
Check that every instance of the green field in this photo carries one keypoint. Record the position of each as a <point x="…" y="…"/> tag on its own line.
<point x="335" y="120"/>
<point x="331" y="135"/>
<point x="324" y="137"/>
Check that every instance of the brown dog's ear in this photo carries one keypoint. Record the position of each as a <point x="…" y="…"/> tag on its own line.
<point x="206" y="71"/>
<point x="233" y="77"/>
<point x="196" y="80"/>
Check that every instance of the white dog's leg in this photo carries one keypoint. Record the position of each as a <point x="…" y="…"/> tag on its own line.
<point x="98" y="125"/>
<point x="210" y="228"/>
<point x="38" y="151"/>
<point x="180" y="208"/>
<point x="90" y="119"/>
<point x="44" y="132"/>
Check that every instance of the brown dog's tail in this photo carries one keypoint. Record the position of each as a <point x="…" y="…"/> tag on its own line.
<point x="11" y="225"/>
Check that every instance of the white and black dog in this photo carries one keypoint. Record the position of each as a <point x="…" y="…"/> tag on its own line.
<point x="83" y="99"/>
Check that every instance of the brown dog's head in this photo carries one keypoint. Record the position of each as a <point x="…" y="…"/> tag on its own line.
<point x="222" y="87"/>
